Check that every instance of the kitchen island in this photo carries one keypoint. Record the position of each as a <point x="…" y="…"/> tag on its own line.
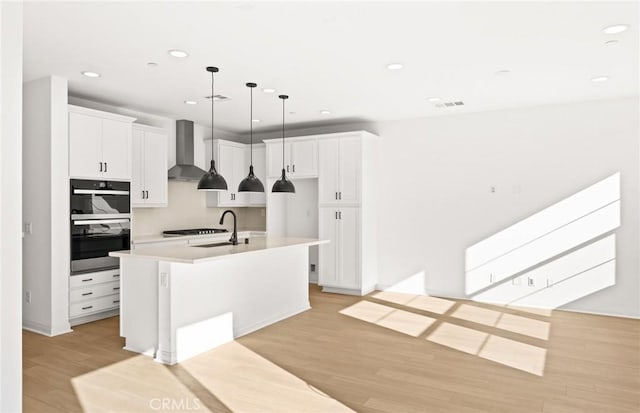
<point x="179" y="301"/>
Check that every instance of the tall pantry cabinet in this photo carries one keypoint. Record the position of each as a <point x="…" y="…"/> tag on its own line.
<point x="347" y="176"/>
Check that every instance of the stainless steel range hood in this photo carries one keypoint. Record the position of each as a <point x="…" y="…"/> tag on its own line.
<point x="185" y="170"/>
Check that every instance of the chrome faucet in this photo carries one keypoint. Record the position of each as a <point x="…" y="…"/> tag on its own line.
<point x="234" y="237"/>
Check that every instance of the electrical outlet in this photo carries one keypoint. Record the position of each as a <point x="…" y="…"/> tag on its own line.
<point x="164" y="280"/>
<point x="28" y="228"/>
<point x="312" y="267"/>
<point x="27" y="297"/>
<point x="530" y="282"/>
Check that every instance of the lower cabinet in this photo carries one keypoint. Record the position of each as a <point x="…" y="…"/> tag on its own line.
<point x="341" y="260"/>
<point x="93" y="296"/>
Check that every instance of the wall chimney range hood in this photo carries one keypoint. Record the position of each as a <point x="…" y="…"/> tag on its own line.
<point x="185" y="170"/>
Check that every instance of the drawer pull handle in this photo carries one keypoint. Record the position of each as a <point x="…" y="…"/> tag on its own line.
<point x="116" y="301"/>
<point x="116" y="275"/>
<point x="86" y="308"/>
<point x="116" y="288"/>
<point x="87" y="279"/>
<point x="85" y="294"/>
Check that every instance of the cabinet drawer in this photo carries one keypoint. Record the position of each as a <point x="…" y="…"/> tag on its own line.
<point x="94" y="305"/>
<point x="82" y="280"/>
<point x="94" y="291"/>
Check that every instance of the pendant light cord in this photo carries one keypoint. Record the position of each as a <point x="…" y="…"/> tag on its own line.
<point x="212" y="114"/>
<point x="283" y="134"/>
<point x="251" y="125"/>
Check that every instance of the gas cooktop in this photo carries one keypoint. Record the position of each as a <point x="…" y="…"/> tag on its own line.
<point x="194" y="231"/>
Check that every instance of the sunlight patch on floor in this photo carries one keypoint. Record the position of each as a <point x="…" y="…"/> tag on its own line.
<point x="398" y="320"/>
<point x="515" y="354"/>
<point x="420" y="302"/>
<point x="137" y="384"/>
<point x="246" y="382"/>
<point x="504" y="321"/>
<point x="459" y="338"/>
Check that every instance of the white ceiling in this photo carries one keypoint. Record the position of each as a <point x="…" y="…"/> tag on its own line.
<point x="333" y="55"/>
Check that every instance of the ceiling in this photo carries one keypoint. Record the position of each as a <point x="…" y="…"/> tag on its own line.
<point x="333" y="56"/>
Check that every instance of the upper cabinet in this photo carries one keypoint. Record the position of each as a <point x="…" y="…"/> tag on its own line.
<point x="260" y="170"/>
<point x="149" y="181"/>
<point x="300" y="158"/>
<point x="340" y="171"/>
<point x="231" y="163"/>
<point x="99" y="144"/>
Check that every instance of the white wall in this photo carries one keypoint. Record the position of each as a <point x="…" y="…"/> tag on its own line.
<point x="10" y="206"/>
<point x="436" y="174"/>
<point x="46" y="206"/>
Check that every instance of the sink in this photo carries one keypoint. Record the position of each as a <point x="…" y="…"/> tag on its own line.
<point x="217" y="244"/>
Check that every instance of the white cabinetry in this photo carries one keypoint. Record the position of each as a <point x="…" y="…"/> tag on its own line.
<point x="149" y="182"/>
<point x="339" y="263"/>
<point x="93" y="294"/>
<point x="347" y="177"/>
<point x="99" y="144"/>
<point x="340" y="171"/>
<point x="300" y="158"/>
<point x="260" y="170"/>
<point x="232" y="162"/>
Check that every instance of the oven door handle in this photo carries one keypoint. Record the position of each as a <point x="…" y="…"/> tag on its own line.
<point x="101" y="221"/>
<point x="99" y="192"/>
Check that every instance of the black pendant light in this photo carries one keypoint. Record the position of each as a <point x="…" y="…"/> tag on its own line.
<point x="212" y="180"/>
<point x="251" y="183"/>
<point x="283" y="184"/>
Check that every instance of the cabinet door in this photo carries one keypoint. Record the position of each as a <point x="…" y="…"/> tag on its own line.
<point x="116" y="149"/>
<point x="304" y="159"/>
<point x="327" y="229"/>
<point x="137" y="167"/>
<point x="155" y="168"/>
<point x="240" y="171"/>
<point x="274" y="160"/>
<point x="350" y="168"/>
<point x="328" y="171"/>
<point x="226" y="168"/>
<point x="84" y="146"/>
<point x="349" y="251"/>
<point x="259" y="169"/>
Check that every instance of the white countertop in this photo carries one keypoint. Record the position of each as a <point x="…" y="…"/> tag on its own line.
<point x="195" y="255"/>
<point x="143" y="239"/>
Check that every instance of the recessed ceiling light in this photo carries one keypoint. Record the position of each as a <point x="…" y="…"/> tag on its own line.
<point x="178" y="53"/>
<point x="434" y="99"/>
<point x="395" y="66"/>
<point x="91" y="74"/>
<point x="599" y="79"/>
<point x="503" y="72"/>
<point x="615" y="29"/>
<point x="255" y="120"/>
<point x="152" y="64"/>
<point x="325" y="112"/>
<point x="612" y="42"/>
<point x="190" y="102"/>
<point x="268" y="90"/>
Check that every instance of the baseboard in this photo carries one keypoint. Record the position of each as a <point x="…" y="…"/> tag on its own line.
<point x="271" y="320"/>
<point x="43" y="329"/>
<point x="347" y="291"/>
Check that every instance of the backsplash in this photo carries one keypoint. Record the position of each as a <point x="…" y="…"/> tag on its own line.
<point x="187" y="209"/>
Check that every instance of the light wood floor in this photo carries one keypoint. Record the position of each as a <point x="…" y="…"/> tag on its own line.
<point x="380" y="353"/>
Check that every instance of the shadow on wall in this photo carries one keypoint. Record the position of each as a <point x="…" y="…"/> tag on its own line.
<point x="562" y="253"/>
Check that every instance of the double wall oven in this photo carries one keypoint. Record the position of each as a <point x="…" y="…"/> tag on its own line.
<point x="100" y="223"/>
